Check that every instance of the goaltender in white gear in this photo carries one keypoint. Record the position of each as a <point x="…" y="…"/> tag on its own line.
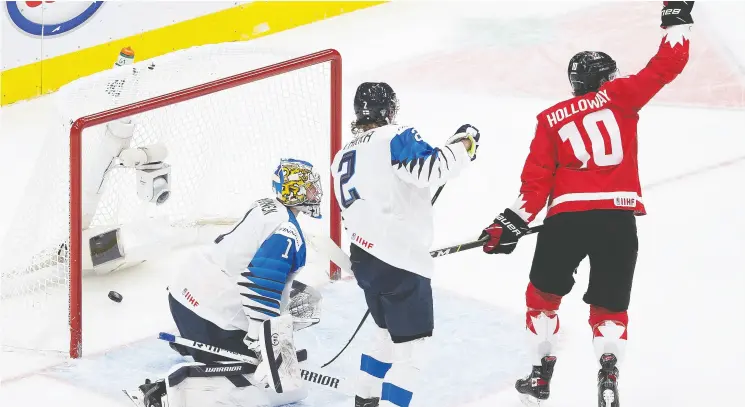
<point x="234" y="294"/>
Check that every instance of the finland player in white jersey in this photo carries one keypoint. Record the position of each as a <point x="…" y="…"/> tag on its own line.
<point x="383" y="179"/>
<point x="234" y="293"/>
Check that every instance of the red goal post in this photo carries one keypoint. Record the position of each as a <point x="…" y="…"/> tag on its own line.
<point x="75" y="283"/>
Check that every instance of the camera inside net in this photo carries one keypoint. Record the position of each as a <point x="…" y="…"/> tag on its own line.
<point x="154" y="182"/>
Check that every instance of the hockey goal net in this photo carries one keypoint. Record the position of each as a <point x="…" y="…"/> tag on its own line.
<point x="226" y="114"/>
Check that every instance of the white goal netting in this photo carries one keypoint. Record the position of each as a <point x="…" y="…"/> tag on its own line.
<point x="222" y="149"/>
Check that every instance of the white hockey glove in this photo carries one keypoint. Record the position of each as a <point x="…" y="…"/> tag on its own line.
<point x="469" y="132"/>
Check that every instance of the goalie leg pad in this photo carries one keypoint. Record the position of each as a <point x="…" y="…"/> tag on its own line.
<point x="199" y="385"/>
<point x="279" y="365"/>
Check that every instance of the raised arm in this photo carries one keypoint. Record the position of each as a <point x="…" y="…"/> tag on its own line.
<point x="637" y="90"/>
<point x="418" y="163"/>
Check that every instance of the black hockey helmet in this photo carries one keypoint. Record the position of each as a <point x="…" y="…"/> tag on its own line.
<point x="375" y="103"/>
<point x="588" y="70"/>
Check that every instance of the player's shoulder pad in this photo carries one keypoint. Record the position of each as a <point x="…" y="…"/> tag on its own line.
<point x="288" y="229"/>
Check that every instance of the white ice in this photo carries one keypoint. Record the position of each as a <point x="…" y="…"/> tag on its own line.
<point x="494" y="65"/>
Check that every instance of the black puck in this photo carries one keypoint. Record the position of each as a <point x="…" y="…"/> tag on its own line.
<point x="115" y="296"/>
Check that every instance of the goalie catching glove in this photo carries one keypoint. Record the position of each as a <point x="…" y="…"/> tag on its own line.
<point x="503" y="234"/>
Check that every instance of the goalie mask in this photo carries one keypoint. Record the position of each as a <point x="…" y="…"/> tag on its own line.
<point x="297" y="185"/>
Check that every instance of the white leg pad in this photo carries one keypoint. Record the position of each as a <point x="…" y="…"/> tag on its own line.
<point x="279" y="366"/>
<point x="186" y="388"/>
<point x="189" y="391"/>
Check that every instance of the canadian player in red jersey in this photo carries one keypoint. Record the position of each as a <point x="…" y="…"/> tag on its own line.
<point x="583" y="160"/>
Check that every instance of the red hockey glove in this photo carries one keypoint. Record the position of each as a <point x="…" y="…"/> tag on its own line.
<point x="504" y="233"/>
<point x="676" y="13"/>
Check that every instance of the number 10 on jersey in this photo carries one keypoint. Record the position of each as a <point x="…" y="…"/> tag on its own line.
<point x="346" y="171"/>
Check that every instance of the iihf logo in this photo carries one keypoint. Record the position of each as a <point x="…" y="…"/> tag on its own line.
<point x="50" y="18"/>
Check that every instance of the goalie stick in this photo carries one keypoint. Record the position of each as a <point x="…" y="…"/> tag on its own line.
<point x="312" y="376"/>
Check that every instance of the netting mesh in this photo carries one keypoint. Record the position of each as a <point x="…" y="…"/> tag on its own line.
<point x="222" y="149"/>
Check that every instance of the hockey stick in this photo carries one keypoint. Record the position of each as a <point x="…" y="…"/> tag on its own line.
<point x="364" y="317"/>
<point x="367" y="313"/>
<point x="319" y="379"/>
<point x="473" y="244"/>
<point x="437" y="193"/>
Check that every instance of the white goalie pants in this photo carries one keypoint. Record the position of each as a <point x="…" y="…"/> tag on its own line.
<point x="199" y="385"/>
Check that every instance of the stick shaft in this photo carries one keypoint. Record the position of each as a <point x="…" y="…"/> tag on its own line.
<point x="471" y="245"/>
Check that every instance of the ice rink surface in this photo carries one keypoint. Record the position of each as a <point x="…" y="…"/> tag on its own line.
<point x="494" y="65"/>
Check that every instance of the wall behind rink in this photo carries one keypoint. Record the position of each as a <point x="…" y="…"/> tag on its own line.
<point x="47" y="44"/>
<point x="500" y="53"/>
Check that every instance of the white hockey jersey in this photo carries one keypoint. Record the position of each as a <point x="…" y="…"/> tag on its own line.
<point x="247" y="272"/>
<point x="382" y="182"/>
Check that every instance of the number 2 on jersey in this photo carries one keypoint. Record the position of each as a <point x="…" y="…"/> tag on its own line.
<point x="350" y="159"/>
<point x="591" y="124"/>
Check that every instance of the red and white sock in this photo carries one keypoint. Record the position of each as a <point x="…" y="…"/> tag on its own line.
<point x="541" y="322"/>
<point x="609" y="332"/>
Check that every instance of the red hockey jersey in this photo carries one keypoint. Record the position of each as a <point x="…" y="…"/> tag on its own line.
<point x="584" y="153"/>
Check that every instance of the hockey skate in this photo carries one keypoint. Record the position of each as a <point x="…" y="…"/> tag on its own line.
<point x="149" y="394"/>
<point x="370" y="402"/>
<point x="534" y="388"/>
<point x="608" y="381"/>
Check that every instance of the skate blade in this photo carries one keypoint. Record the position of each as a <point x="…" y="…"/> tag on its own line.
<point x="531" y="401"/>
<point x="136" y="399"/>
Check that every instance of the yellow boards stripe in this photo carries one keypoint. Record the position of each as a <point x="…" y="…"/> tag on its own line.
<point x="234" y="24"/>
